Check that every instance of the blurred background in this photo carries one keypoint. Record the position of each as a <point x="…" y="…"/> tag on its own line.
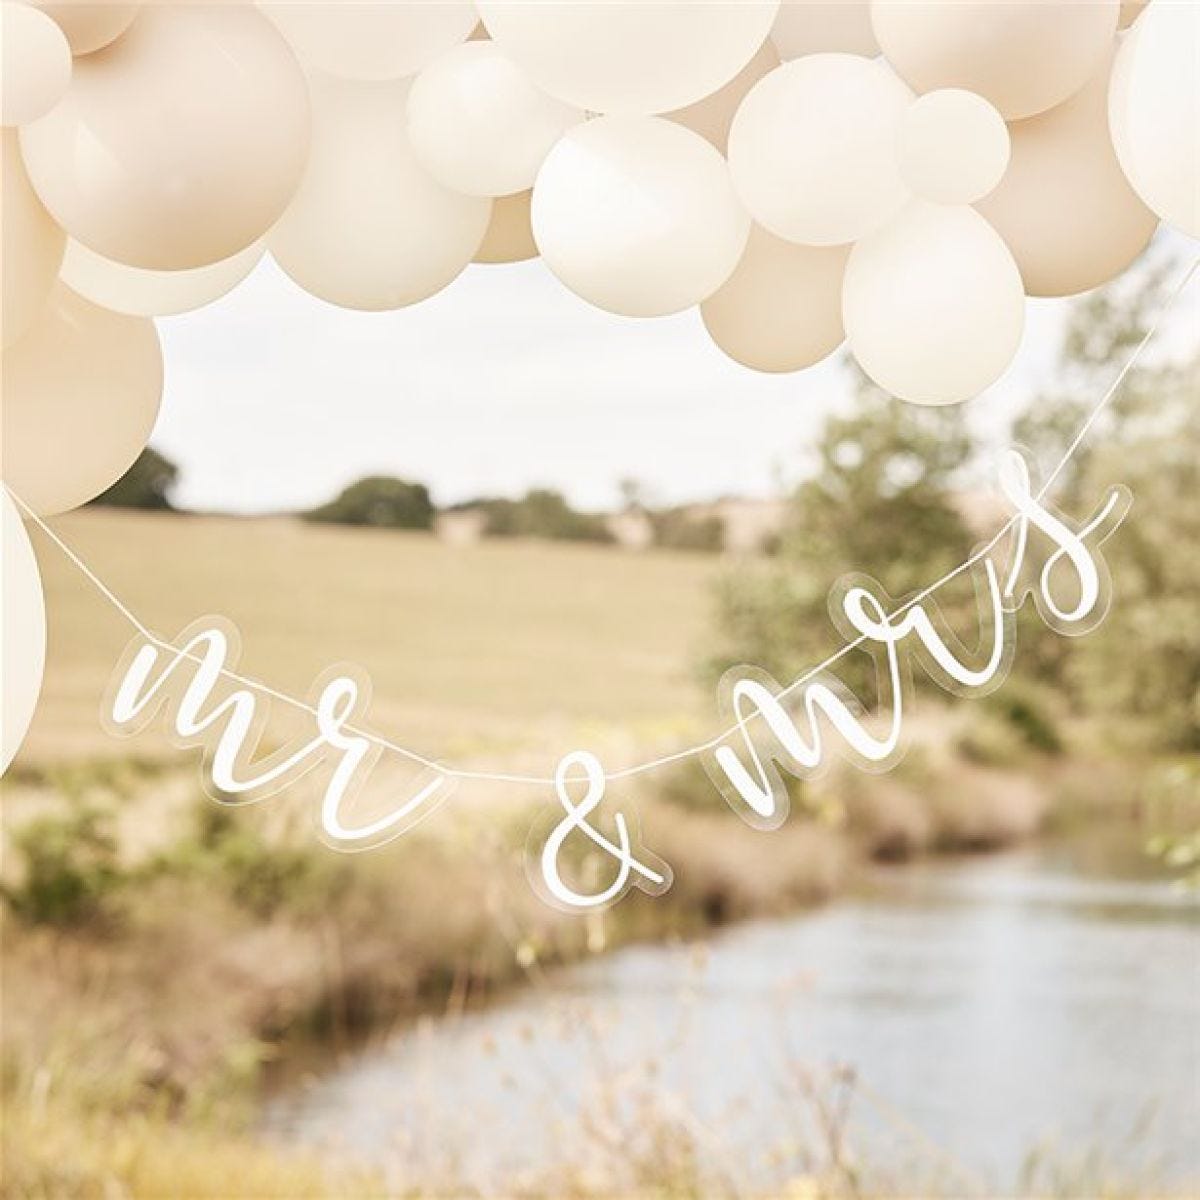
<point x="538" y="527"/>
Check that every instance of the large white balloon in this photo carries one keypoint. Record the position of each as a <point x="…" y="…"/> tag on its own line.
<point x="89" y="24"/>
<point x="35" y="63"/>
<point x="81" y="394"/>
<point x="781" y="309"/>
<point x="381" y="39"/>
<point x="31" y="245"/>
<point x="817" y="26"/>
<point x="611" y="56"/>
<point x="954" y="147"/>
<point x="370" y="228"/>
<point x="1023" y="56"/>
<point x="1064" y="206"/>
<point x="712" y="116"/>
<point x="142" y="293"/>
<point x="179" y="144"/>
<point x="933" y="304"/>
<point x="1154" y="111"/>
<point x="479" y="126"/>
<point x="638" y="215"/>
<point x="22" y="631"/>
<point x="812" y="149"/>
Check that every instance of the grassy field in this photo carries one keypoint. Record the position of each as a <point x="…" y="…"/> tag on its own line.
<point x="504" y="649"/>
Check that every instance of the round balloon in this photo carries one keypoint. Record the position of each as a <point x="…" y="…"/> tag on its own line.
<point x="610" y="56"/>
<point x="90" y="26"/>
<point x="382" y="39"/>
<point x="195" y="124"/>
<point x="81" y="394"/>
<point x="781" y="309"/>
<point x="1154" y="111"/>
<point x="1064" y="206"/>
<point x="143" y="293"/>
<point x="479" y="126"/>
<point x="1023" y="57"/>
<point x="812" y="149"/>
<point x="35" y="63"/>
<point x="637" y="215"/>
<point x="370" y="228"/>
<point x="953" y="147"/>
<point x="31" y="245"/>
<point x="22" y="631"/>
<point x="1130" y="11"/>
<point x="813" y="28"/>
<point x="933" y="304"/>
<point x="712" y="116"/>
<point x="509" y="236"/>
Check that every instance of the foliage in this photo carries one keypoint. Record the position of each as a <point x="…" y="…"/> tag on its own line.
<point x="680" y="529"/>
<point x="379" y="500"/>
<point x="147" y="484"/>
<point x="541" y="513"/>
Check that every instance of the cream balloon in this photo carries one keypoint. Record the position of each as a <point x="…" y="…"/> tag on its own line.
<point x="611" y="56"/>
<point x="933" y="304"/>
<point x="140" y="293"/>
<point x="90" y="24"/>
<point x="638" y="216"/>
<point x="195" y="125"/>
<point x="812" y="149"/>
<point x="509" y="236"/>
<point x="81" y="394"/>
<point x="781" y="309"/>
<point x="1130" y="11"/>
<point x="1154" y="111"/>
<point x="31" y="245"/>
<point x="1024" y="57"/>
<point x="35" y="63"/>
<point x="712" y="116"/>
<point x="954" y="147"/>
<point x="803" y="27"/>
<point x="1064" y="207"/>
<point x="370" y="228"/>
<point x="377" y="40"/>
<point x="22" y="631"/>
<point x="479" y="126"/>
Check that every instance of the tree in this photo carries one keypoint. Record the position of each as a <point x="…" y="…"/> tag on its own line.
<point x="542" y="513"/>
<point x="147" y="484"/>
<point x="382" y="501"/>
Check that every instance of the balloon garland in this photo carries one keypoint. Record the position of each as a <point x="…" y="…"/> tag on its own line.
<point x="898" y="176"/>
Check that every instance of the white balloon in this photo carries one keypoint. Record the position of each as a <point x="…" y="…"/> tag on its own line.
<point x="141" y="293"/>
<point x="933" y="304"/>
<point x="812" y="149"/>
<point x="613" y="56"/>
<point x="638" y="216"/>
<point x="380" y="39"/>
<point x="22" y="630"/>
<point x="35" y="63"/>
<point x="817" y="26"/>
<point x="954" y="147"/>
<point x="781" y="309"/>
<point x="1154" y="111"/>
<point x="370" y="228"/>
<point x="479" y="126"/>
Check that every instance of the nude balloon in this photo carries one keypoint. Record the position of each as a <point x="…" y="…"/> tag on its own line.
<point x="1154" y="111"/>
<point x="195" y="124"/>
<point x="509" y="236"/>
<point x="370" y="228"/>
<point x="933" y="304"/>
<point x="380" y="39"/>
<point x="1023" y="57"/>
<point x="818" y="26"/>
<point x="142" y="293"/>
<point x="638" y="216"/>
<point x="479" y="126"/>
<point x="812" y="149"/>
<point x="81" y="395"/>
<point x="22" y="631"/>
<point x="611" y="56"/>
<point x="1064" y="206"/>
<point x="31" y="244"/>
<point x="35" y="63"/>
<point x="781" y="309"/>
<point x="90" y="25"/>
<point x="953" y="148"/>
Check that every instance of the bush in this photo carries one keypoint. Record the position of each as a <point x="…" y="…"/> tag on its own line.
<point x="147" y="484"/>
<point x="541" y="513"/>
<point x="379" y="501"/>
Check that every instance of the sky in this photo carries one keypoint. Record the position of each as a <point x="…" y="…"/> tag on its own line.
<point x="275" y="400"/>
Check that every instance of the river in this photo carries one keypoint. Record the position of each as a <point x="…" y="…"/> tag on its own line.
<point x="952" y="1018"/>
